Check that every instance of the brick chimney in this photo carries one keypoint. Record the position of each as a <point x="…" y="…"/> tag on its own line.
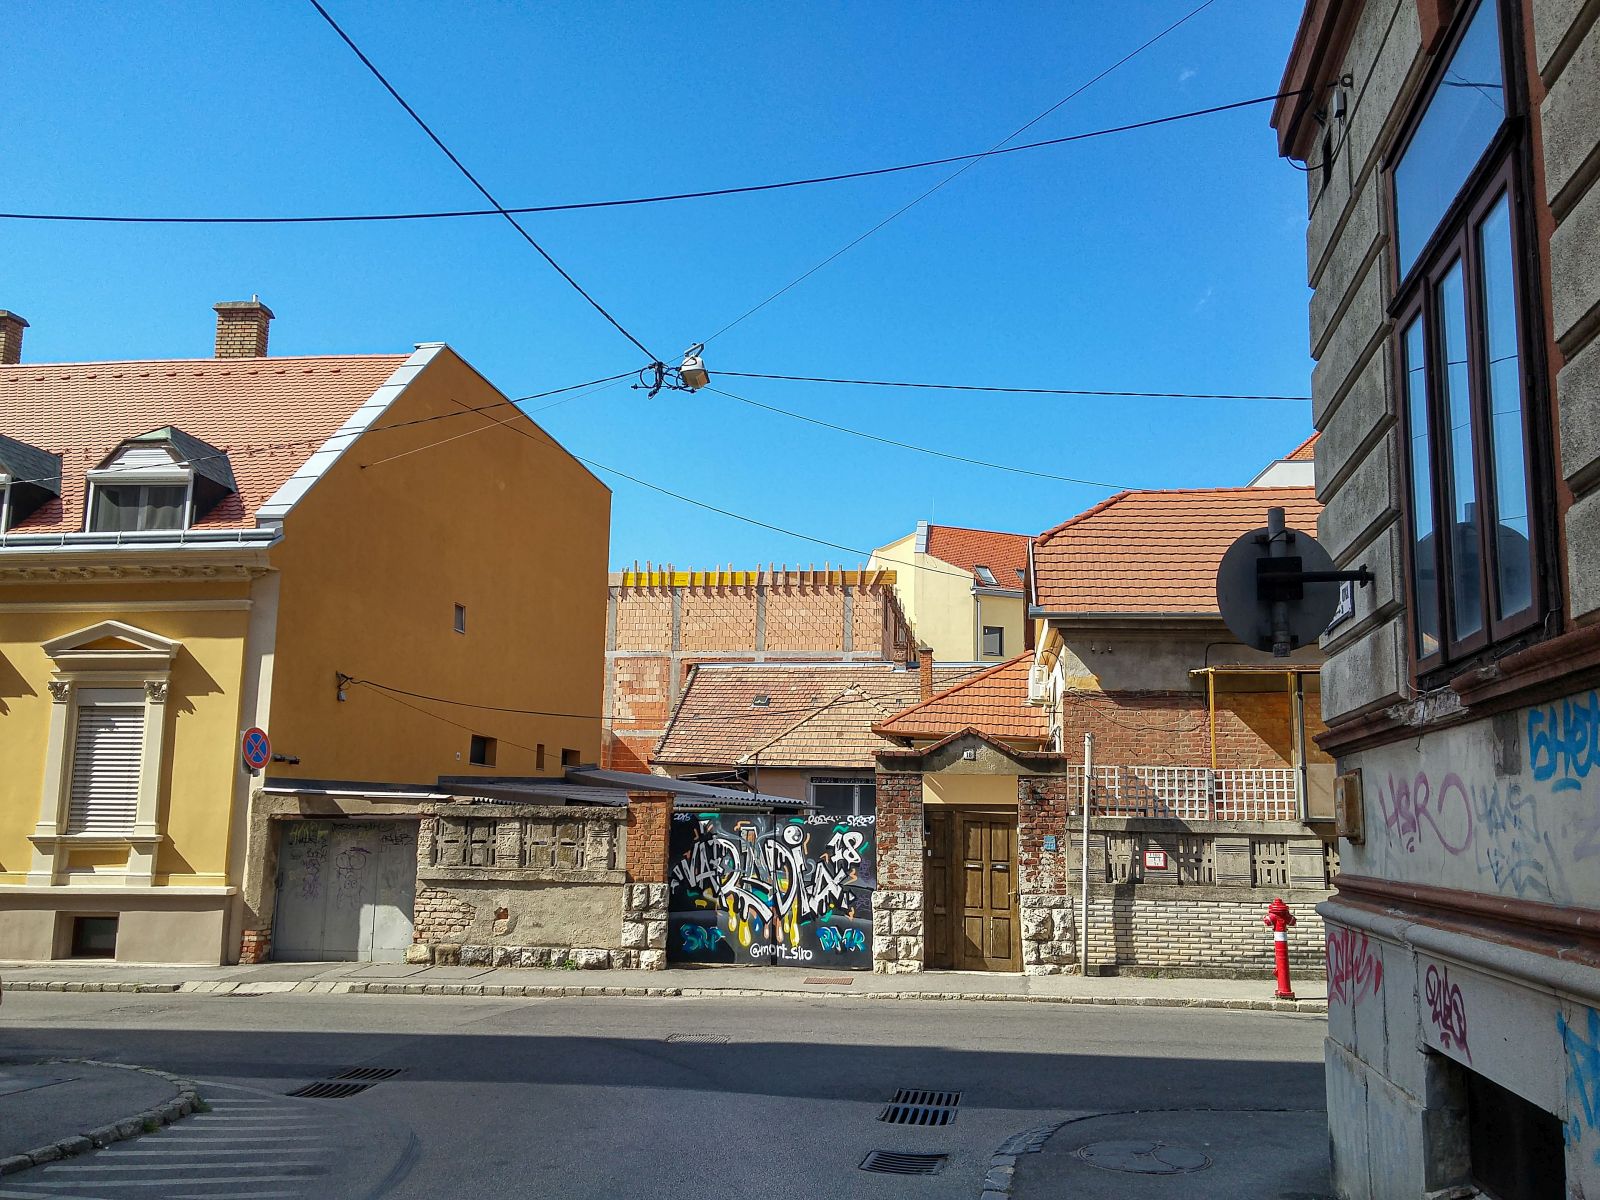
<point x="11" y="327"/>
<point x="925" y="671"/>
<point x="242" y="328"/>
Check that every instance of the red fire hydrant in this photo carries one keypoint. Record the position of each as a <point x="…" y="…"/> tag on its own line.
<point x="1278" y="919"/>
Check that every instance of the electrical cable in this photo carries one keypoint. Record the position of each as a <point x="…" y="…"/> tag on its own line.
<point x="725" y="512"/>
<point x="1019" y="391"/>
<point x="473" y="179"/>
<point x="960" y="458"/>
<point x="750" y="312"/>
<point x="522" y="210"/>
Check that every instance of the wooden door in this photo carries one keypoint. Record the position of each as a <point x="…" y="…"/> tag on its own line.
<point x="987" y="933"/>
<point x="938" y="945"/>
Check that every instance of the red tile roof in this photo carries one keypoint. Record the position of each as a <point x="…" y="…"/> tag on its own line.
<point x="1154" y="551"/>
<point x="83" y="411"/>
<point x="817" y="714"/>
<point x="994" y="702"/>
<point x="1306" y="451"/>
<point x="1003" y="553"/>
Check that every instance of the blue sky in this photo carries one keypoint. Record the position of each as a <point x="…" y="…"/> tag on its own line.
<point x="1163" y="260"/>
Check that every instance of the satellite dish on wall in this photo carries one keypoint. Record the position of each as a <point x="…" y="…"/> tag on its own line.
<point x="1276" y="587"/>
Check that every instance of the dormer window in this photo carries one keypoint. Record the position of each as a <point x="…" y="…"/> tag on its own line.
<point x="161" y="480"/>
<point x="29" y="479"/>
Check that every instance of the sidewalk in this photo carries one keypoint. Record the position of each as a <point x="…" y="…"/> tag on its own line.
<point x="405" y="979"/>
<point x="54" y="1109"/>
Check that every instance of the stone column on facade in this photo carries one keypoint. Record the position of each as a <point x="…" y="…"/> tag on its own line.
<point x="644" y="905"/>
<point x="897" y="917"/>
<point x="1045" y="898"/>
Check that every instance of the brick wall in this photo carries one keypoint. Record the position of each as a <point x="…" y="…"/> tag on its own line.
<point x="1172" y="729"/>
<point x="897" y="917"/>
<point x="1196" y="935"/>
<point x="662" y="622"/>
<point x="649" y="830"/>
<point x="440" y="917"/>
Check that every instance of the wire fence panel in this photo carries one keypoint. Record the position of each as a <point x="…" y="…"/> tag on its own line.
<point x="1191" y="793"/>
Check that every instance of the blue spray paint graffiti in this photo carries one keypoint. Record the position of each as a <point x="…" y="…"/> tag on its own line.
<point x="1565" y="738"/>
<point x="700" y="939"/>
<point x="832" y="939"/>
<point x="1583" y="1077"/>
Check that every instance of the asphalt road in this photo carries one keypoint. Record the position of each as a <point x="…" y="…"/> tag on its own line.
<point x="724" y="1098"/>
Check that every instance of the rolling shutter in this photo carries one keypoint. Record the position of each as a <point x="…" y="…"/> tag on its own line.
<point x="106" y="756"/>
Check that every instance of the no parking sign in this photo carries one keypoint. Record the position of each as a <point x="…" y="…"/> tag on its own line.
<point x="256" y="748"/>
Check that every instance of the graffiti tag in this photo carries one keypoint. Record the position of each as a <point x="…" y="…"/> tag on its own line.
<point x="1447" y="1009"/>
<point x="1512" y="848"/>
<point x="1583" y="1076"/>
<point x="698" y="939"/>
<point x="1564" y="741"/>
<point x="349" y="870"/>
<point x="830" y="938"/>
<point x="1354" y="971"/>
<point x="1415" y="812"/>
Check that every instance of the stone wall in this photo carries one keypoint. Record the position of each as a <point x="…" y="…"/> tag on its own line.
<point x="523" y="885"/>
<point x="1045" y="905"/>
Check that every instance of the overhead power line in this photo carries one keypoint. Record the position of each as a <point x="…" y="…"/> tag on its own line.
<point x="1015" y="391"/>
<point x="959" y="171"/>
<point x="523" y="210"/>
<point x="473" y="179"/>
<point x="886" y="441"/>
<point x="728" y="512"/>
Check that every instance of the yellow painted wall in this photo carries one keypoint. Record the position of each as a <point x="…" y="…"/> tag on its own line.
<point x="936" y="596"/>
<point x="990" y="791"/>
<point x="202" y="710"/>
<point x="373" y="562"/>
<point x="1006" y="612"/>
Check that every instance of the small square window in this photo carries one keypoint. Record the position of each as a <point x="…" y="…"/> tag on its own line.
<point x="94" y="937"/>
<point x="482" y="752"/>
<point x="461" y="618"/>
<point x="569" y="758"/>
<point x="994" y="641"/>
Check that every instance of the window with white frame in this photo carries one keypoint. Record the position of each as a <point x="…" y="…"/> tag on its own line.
<point x="159" y="481"/>
<point x="839" y="794"/>
<point x="107" y="756"/>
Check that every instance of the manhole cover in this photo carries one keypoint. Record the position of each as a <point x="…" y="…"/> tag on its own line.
<point x="894" y="1162"/>
<point x="1143" y="1158"/>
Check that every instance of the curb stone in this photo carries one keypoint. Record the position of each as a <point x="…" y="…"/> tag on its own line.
<point x="185" y="1102"/>
<point x="570" y="991"/>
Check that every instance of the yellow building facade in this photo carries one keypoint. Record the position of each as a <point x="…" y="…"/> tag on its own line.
<point x="961" y="589"/>
<point x="360" y="544"/>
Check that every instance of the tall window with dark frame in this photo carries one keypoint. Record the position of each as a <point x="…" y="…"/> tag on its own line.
<point x="1461" y="357"/>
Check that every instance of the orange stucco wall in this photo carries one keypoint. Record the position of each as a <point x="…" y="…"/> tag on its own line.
<point x="376" y="556"/>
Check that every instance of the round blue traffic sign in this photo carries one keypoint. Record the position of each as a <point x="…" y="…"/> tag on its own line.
<point x="257" y="749"/>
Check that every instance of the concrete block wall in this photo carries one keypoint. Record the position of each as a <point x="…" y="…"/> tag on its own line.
<point x="1181" y="933"/>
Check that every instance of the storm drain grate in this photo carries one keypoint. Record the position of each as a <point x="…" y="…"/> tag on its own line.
<point x="370" y="1073"/>
<point x="919" y="1106"/>
<point x="324" y="1090"/>
<point x="895" y="1162"/>
<point x="709" y="1039"/>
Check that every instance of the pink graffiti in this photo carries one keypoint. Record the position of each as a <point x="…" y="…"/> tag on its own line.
<point x="1354" y="971"/>
<point x="1447" y="1009"/>
<point x="1414" y="811"/>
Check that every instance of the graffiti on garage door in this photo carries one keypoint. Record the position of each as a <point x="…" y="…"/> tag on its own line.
<point x="776" y="890"/>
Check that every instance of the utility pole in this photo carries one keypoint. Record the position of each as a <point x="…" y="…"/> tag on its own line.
<point x="1088" y="795"/>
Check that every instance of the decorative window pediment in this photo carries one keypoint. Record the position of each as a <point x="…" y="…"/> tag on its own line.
<point x="112" y="645"/>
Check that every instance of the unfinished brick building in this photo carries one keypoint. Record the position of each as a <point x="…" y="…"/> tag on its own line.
<point x="659" y="623"/>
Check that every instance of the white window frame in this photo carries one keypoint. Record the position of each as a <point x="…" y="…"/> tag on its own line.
<point x="853" y="781"/>
<point x="140" y="477"/>
<point x="5" y="502"/>
<point x="145" y="664"/>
